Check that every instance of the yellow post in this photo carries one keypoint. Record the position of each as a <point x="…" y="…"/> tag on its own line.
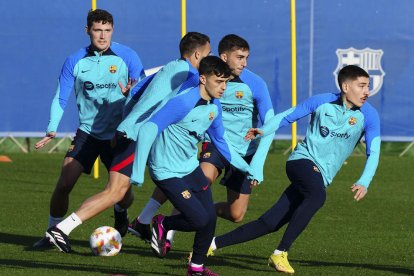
<point x="96" y="169"/>
<point x="96" y="164"/>
<point x="183" y="17"/>
<point x="293" y="42"/>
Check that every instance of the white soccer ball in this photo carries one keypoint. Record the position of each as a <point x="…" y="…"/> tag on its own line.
<point x="105" y="241"/>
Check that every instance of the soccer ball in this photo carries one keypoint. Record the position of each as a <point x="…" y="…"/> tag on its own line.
<point x="105" y="241"/>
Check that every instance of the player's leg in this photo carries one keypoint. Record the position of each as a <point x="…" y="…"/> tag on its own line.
<point x="271" y="221"/>
<point x="203" y="237"/>
<point x="59" y="202"/>
<point x="182" y="193"/>
<point x="79" y="158"/>
<point x="140" y="226"/>
<point x="308" y="183"/>
<point x="239" y="189"/>
<point x="115" y="190"/>
<point x="235" y="208"/>
<point x="210" y="171"/>
<point x="211" y="162"/>
<point x="117" y="153"/>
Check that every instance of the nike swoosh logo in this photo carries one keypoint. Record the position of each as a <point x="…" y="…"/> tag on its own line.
<point x="328" y="115"/>
<point x="204" y="188"/>
<point x="84" y="71"/>
<point x="194" y="120"/>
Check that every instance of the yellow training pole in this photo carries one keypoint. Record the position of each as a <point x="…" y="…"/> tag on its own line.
<point x="183" y="17"/>
<point x="96" y="164"/>
<point x="293" y="42"/>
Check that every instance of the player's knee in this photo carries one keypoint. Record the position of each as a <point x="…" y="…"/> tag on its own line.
<point x="237" y="216"/>
<point x="200" y="221"/>
<point x="318" y="198"/>
<point x="116" y="192"/>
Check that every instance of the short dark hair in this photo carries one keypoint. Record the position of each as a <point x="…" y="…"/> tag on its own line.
<point x="350" y="72"/>
<point x="191" y="41"/>
<point x="214" y="65"/>
<point x="232" y="42"/>
<point x="98" y="16"/>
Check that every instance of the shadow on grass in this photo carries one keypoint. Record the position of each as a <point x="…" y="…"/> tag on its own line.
<point x="250" y="262"/>
<point x="388" y="268"/>
<point x="140" y="249"/>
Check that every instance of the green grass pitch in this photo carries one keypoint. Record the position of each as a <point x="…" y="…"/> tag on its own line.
<point x="371" y="237"/>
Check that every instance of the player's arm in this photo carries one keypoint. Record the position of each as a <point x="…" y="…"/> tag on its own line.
<point x="265" y="108"/>
<point x="135" y="94"/>
<point x="167" y="115"/>
<point x="64" y="88"/>
<point x="218" y="137"/>
<point x="373" y="145"/>
<point x="291" y="115"/>
<point x="135" y="70"/>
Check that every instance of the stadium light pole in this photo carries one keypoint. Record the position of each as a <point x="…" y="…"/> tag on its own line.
<point x="293" y="59"/>
<point x="96" y="164"/>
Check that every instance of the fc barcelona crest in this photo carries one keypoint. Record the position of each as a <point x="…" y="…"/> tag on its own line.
<point x="186" y="194"/>
<point x="352" y="121"/>
<point x="368" y="59"/>
<point x="239" y="94"/>
<point x="112" y="69"/>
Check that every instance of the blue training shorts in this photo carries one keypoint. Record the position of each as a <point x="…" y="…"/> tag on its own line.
<point x="85" y="149"/>
<point x="233" y="178"/>
<point x="124" y="153"/>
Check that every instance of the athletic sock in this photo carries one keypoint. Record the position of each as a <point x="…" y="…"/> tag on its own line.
<point x="170" y="235"/>
<point x="196" y="265"/>
<point x="149" y="211"/>
<point x="69" y="223"/>
<point x="277" y="252"/>
<point x="54" y="221"/>
<point x="213" y="244"/>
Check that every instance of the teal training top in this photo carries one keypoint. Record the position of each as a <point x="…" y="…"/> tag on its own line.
<point x="333" y="133"/>
<point x="153" y="92"/>
<point x="94" y="79"/>
<point x="170" y="138"/>
<point x="245" y="101"/>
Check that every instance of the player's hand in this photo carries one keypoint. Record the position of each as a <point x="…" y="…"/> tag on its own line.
<point x="252" y="133"/>
<point x="125" y="90"/>
<point x="254" y="183"/>
<point x="360" y="190"/>
<point x="45" y="140"/>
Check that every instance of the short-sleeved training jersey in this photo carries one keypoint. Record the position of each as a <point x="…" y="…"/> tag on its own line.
<point x="94" y="79"/>
<point x="177" y="128"/>
<point x="153" y="92"/>
<point x="333" y="133"/>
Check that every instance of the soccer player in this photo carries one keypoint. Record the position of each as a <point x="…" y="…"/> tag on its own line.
<point x="147" y="96"/>
<point x="170" y="139"/>
<point x="246" y="97"/>
<point x="338" y="121"/>
<point x="94" y="73"/>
